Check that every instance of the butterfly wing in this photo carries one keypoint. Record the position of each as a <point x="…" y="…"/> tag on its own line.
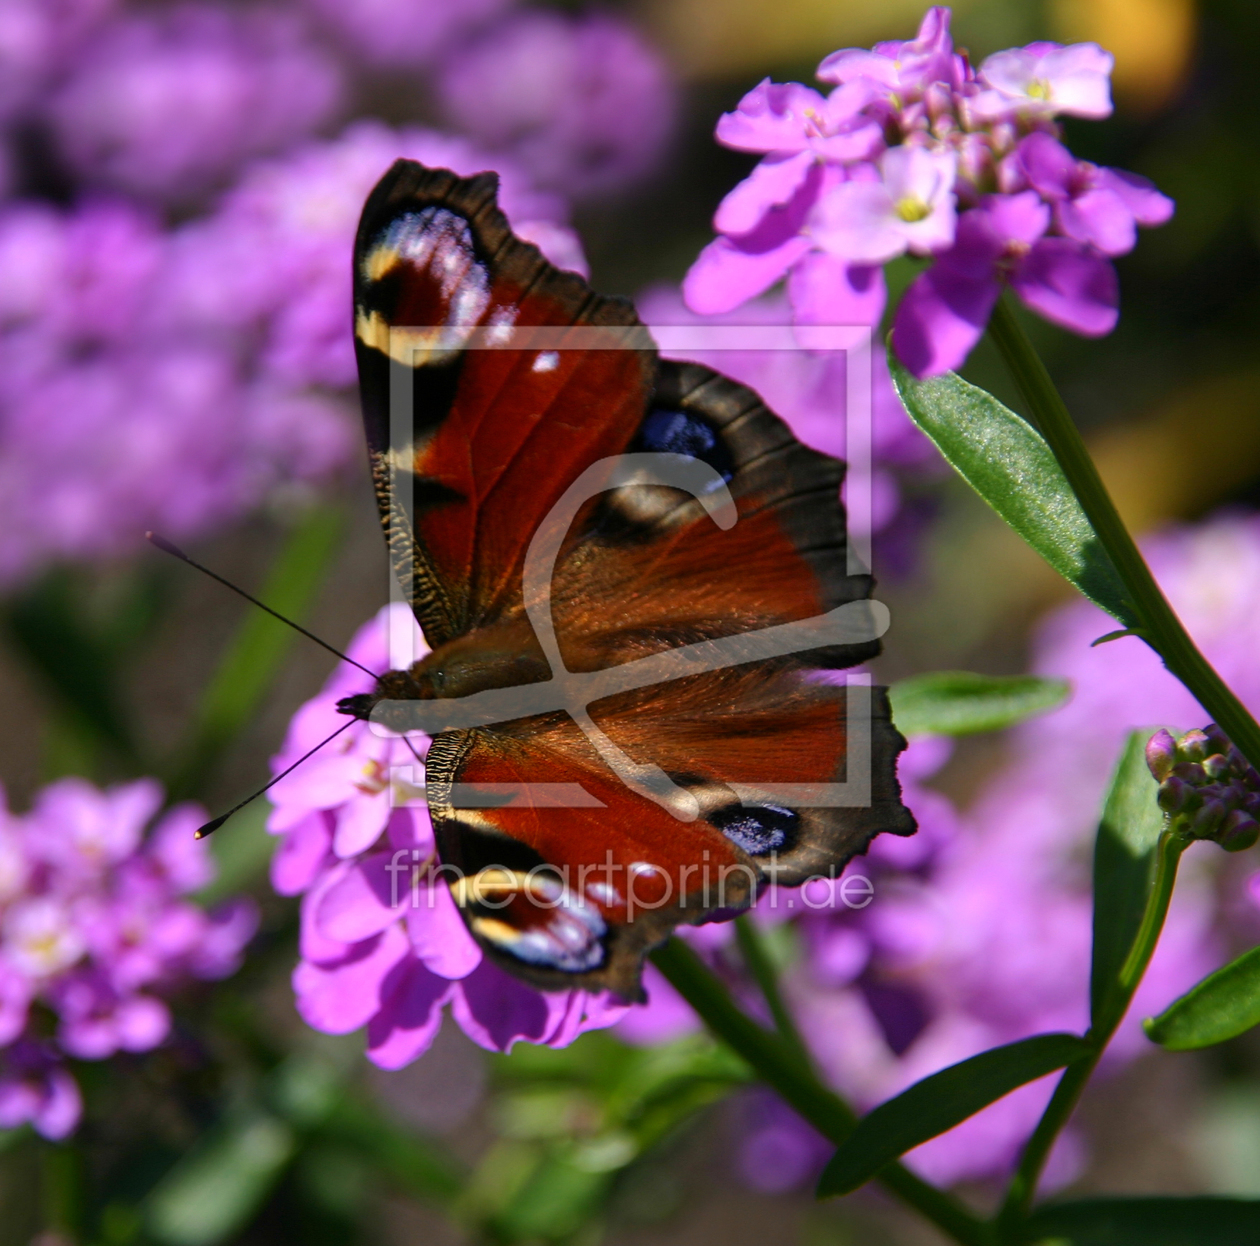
<point x="471" y="445"/>
<point x="572" y="890"/>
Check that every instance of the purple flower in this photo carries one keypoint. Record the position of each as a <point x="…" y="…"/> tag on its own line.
<point x="914" y="151"/>
<point x="402" y="34"/>
<point x="37" y="39"/>
<point x="944" y="312"/>
<point x="165" y="105"/>
<point x="980" y="926"/>
<point x="901" y="68"/>
<point x="383" y="944"/>
<point x="808" y="389"/>
<point x="1100" y="207"/>
<point x="36" y="1089"/>
<point x="95" y="927"/>
<point x="180" y="377"/>
<point x="1045" y="79"/>
<point x="789" y="119"/>
<point x="908" y="206"/>
<point x="582" y="102"/>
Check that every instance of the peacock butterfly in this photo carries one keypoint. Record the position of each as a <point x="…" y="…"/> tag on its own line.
<point x="510" y="410"/>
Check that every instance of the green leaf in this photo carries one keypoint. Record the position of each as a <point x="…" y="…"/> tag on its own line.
<point x="1148" y="1222"/>
<point x="410" y="1162"/>
<point x="554" y="1203"/>
<point x="253" y="659"/>
<point x="1222" y="1006"/>
<point x="962" y="703"/>
<point x="940" y="1102"/>
<point x="221" y="1183"/>
<point x="1008" y="463"/>
<point x="1124" y="871"/>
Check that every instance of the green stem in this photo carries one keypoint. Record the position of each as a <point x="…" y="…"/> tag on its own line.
<point x="752" y="947"/>
<point x="61" y="1181"/>
<point x="780" y="1068"/>
<point x="1159" y="625"/>
<point x="1023" y="1187"/>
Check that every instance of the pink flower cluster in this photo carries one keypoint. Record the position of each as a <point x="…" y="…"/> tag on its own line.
<point x="382" y="942"/>
<point x="173" y="259"/>
<point x="915" y="151"/>
<point x="178" y="377"/>
<point x="94" y="929"/>
<point x="979" y="929"/>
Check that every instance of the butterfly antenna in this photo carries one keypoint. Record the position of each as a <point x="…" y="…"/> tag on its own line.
<point x="214" y="824"/>
<point x="167" y="548"/>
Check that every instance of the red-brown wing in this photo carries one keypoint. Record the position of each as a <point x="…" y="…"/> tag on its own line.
<point x="484" y="434"/>
<point x="575" y="896"/>
<point x="485" y="441"/>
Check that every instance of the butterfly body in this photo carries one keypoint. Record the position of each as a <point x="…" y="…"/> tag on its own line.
<point x="597" y="544"/>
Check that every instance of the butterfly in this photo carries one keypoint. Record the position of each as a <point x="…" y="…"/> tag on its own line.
<point x="566" y="510"/>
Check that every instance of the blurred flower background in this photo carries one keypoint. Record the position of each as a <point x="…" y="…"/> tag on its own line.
<point x="179" y="184"/>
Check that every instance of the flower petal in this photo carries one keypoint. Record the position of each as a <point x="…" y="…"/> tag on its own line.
<point x="369" y="896"/>
<point x="940" y="319"/>
<point x="770" y="185"/>
<point x="1148" y="206"/>
<point x="341" y="997"/>
<point x="439" y="936"/>
<point x="771" y="117"/>
<point x="495" y="1009"/>
<point x="825" y="290"/>
<point x="297" y="860"/>
<point x="1099" y="217"/>
<point x="360" y="821"/>
<point x="724" y="275"/>
<point x="1070" y="286"/>
<point x="410" y="1015"/>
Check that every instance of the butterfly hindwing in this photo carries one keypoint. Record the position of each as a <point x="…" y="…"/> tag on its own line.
<point x="573" y="890"/>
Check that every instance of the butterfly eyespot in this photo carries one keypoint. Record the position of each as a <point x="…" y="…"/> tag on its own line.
<point x="757" y="829"/>
<point x="683" y="432"/>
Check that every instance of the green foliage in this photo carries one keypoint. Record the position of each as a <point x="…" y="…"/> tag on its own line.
<point x="219" y="1185"/>
<point x="963" y="703"/>
<point x="1008" y="463"/>
<point x="1124" y="872"/>
<point x="940" y="1102"/>
<point x="1222" y="1006"/>
<point x="252" y="660"/>
<point x="1147" y="1222"/>
<point x="77" y="650"/>
<point x="574" y="1122"/>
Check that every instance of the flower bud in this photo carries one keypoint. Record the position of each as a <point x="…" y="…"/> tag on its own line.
<point x="1194" y="745"/>
<point x="1216" y="765"/>
<point x="1174" y="794"/>
<point x="1205" y="823"/>
<point x="1161" y="754"/>
<point x="1238" y="832"/>
<point x="1218" y="740"/>
<point x="1190" y="772"/>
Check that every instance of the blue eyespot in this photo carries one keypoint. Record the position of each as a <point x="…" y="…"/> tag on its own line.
<point x="757" y="830"/>
<point x="684" y="432"/>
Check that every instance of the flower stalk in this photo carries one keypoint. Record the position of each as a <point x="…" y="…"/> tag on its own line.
<point x="1023" y="1187"/>
<point x="1158" y="622"/>
<point x="752" y="947"/>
